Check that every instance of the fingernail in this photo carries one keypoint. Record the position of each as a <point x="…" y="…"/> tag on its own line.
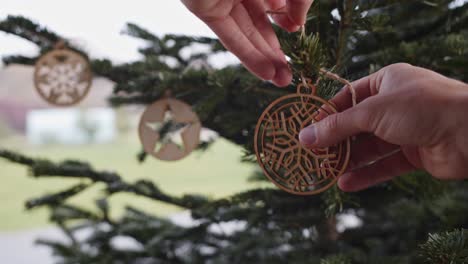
<point x="281" y="55"/>
<point x="308" y="136"/>
<point x="283" y="76"/>
<point x="344" y="182"/>
<point x="266" y="73"/>
<point x="294" y="28"/>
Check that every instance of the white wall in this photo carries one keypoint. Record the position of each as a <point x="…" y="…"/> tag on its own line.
<point x="71" y="126"/>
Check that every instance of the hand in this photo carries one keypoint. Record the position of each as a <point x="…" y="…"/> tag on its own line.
<point x="245" y="30"/>
<point x="400" y="106"/>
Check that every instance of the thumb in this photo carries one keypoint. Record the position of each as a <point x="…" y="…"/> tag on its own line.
<point x="336" y="128"/>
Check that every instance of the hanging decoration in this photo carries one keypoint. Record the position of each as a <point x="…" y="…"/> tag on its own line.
<point x="62" y="77"/>
<point x="169" y="130"/>
<point x="289" y="165"/>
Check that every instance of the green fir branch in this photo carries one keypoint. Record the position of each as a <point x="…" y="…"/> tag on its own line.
<point x="449" y="247"/>
<point x="57" y="198"/>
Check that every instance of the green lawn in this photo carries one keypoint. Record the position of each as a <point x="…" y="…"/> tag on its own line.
<point x="216" y="173"/>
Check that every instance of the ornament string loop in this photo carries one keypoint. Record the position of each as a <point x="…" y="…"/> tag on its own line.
<point x="60" y="44"/>
<point x="306" y="87"/>
<point x="347" y="83"/>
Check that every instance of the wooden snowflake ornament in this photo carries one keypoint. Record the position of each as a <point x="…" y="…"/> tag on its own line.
<point x="288" y="164"/>
<point x="62" y="77"/>
<point x="169" y="129"/>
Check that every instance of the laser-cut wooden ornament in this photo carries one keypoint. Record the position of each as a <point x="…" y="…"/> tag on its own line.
<point x="62" y="77"/>
<point x="169" y="130"/>
<point x="285" y="162"/>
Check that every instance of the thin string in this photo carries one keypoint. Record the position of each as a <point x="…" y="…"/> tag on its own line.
<point x="274" y="12"/>
<point x="279" y="11"/>
<point x="348" y="84"/>
<point x="303" y="79"/>
<point x="60" y="44"/>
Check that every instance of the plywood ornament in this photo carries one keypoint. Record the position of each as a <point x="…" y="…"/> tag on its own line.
<point x="62" y="77"/>
<point x="289" y="165"/>
<point x="169" y="130"/>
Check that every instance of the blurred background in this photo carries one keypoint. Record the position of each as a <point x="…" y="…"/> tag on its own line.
<point x="108" y="207"/>
<point x="93" y="130"/>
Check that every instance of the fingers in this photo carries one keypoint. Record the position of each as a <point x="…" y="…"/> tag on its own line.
<point x="375" y="173"/>
<point x="248" y="34"/>
<point x="275" y="4"/>
<point x="337" y="127"/>
<point x="257" y="12"/>
<point x="297" y="10"/>
<point x="295" y="13"/>
<point x="364" y="87"/>
<point x="285" y="22"/>
<point x="368" y="148"/>
<point x="253" y="16"/>
<point x="235" y="41"/>
<point x="244" y="29"/>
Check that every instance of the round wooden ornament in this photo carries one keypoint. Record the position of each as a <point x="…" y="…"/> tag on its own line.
<point x="169" y="129"/>
<point x="285" y="162"/>
<point x="62" y="77"/>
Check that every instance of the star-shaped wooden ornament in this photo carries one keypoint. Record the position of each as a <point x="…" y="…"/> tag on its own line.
<point x="169" y="129"/>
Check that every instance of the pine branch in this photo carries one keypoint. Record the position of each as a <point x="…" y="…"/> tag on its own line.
<point x="18" y="59"/>
<point x="16" y="157"/>
<point x="113" y="181"/>
<point x="275" y="227"/>
<point x="337" y="259"/>
<point x="307" y="55"/>
<point x="63" y="213"/>
<point x="336" y="200"/>
<point x="25" y="28"/>
<point x="449" y="247"/>
<point x="345" y="8"/>
<point x="56" y="199"/>
<point x="149" y="190"/>
<point x="37" y="34"/>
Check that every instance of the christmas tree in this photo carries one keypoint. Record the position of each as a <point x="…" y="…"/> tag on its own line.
<point x="413" y="219"/>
